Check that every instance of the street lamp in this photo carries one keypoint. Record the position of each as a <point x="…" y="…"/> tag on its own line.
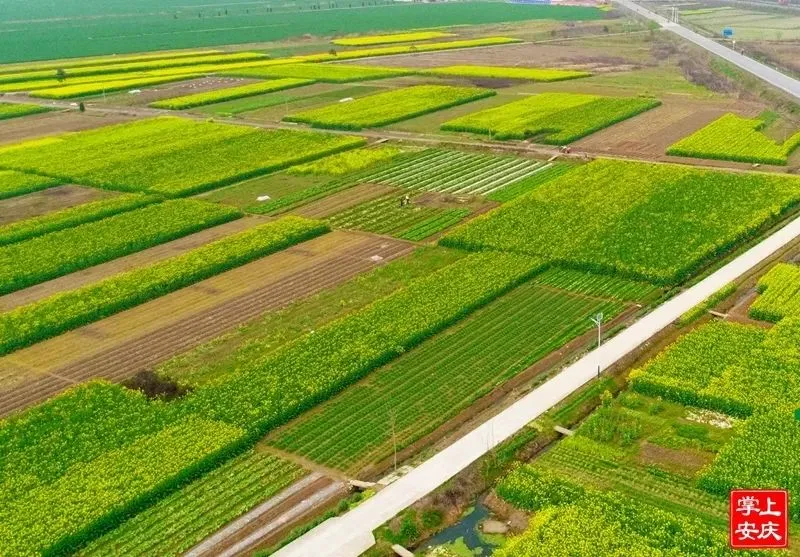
<point x="598" y="321"/>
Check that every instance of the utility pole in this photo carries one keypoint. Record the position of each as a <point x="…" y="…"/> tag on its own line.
<point x="394" y="436"/>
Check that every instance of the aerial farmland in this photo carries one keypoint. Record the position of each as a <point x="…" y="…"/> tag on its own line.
<point x="265" y="266"/>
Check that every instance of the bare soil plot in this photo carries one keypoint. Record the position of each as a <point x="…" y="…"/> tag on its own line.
<point x="786" y="53"/>
<point x="46" y="201"/>
<point x="540" y="55"/>
<point x="342" y="200"/>
<point x="174" y="89"/>
<point x="649" y="135"/>
<point x="144" y="257"/>
<point x="51" y="123"/>
<point x="140" y="338"/>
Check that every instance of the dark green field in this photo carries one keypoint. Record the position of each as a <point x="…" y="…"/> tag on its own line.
<point x="42" y="29"/>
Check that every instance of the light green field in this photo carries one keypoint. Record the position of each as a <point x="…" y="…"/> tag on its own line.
<point x="749" y="25"/>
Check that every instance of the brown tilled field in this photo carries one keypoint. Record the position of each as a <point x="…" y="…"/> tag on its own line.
<point x="524" y="55"/>
<point x="177" y="89"/>
<point x="122" y="345"/>
<point x="121" y="264"/>
<point x="49" y="200"/>
<point x="52" y="123"/>
<point x="649" y="135"/>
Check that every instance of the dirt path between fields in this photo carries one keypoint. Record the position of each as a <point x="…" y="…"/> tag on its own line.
<point x="132" y="261"/>
<point x="265" y="524"/>
<point x="138" y="339"/>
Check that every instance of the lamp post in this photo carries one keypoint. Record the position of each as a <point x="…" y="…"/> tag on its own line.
<point x="598" y="321"/>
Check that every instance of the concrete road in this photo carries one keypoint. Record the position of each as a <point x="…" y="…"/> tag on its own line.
<point x="351" y="534"/>
<point x="771" y="76"/>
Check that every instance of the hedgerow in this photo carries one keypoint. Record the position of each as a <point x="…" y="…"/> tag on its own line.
<point x="229" y="94"/>
<point x="599" y="217"/>
<point x="61" y="312"/>
<point x="14" y="183"/>
<point x="734" y="138"/>
<point x="16" y="110"/>
<point x="779" y="294"/>
<point x="393" y="38"/>
<point x="330" y="73"/>
<point x="347" y="162"/>
<point x="140" y="65"/>
<point x="73" y="216"/>
<point x="58" y="253"/>
<point x="386" y="108"/>
<point x="103" y="87"/>
<point x="556" y="118"/>
<point x="500" y="72"/>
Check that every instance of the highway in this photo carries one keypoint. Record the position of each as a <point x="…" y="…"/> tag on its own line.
<point x="771" y="76"/>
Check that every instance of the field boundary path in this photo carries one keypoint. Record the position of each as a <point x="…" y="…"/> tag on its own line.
<point x="262" y="523"/>
<point x="771" y="76"/>
<point x="351" y="534"/>
<point x="120" y="359"/>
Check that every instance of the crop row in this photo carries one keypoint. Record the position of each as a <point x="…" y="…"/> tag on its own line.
<point x="500" y="72"/>
<point x="583" y="459"/>
<point x="685" y="370"/>
<point x="556" y="118"/>
<point x="489" y="348"/>
<point x="385" y="215"/>
<point x="393" y="38"/>
<point x="764" y="454"/>
<point x="66" y="251"/>
<point x="445" y="219"/>
<point x="584" y="522"/>
<point x="454" y="172"/>
<point x="16" y="110"/>
<point x="779" y="294"/>
<point x="91" y="498"/>
<point x="326" y="73"/>
<point x="542" y="174"/>
<point x="103" y="61"/>
<point x="386" y="108"/>
<point x="306" y="195"/>
<point x="14" y="183"/>
<point x="61" y="312"/>
<point x="141" y="65"/>
<point x="187" y="157"/>
<point x="72" y="429"/>
<point x="585" y="218"/>
<point x="604" y="286"/>
<point x="86" y="80"/>
<point x="346" y="162"/>
<point x="270" y="391"/>
<point x="73" y="216"/>
<point x="744" y="371"/>
<point x="183" y="519"/>
<point x="734" y="138"/>
<point x="103" y="87"/>
<point x="229" y="94"/>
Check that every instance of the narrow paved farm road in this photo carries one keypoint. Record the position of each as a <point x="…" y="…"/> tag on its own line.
<point x="771" y="76"/>
<point x="351" y="534"/>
